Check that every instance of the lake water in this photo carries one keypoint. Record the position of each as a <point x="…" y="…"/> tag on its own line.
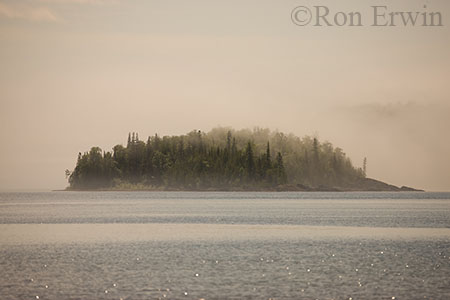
<point x="212" y="245"/>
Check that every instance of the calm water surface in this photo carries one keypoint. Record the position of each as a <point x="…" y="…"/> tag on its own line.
<point x="177" y="245"/>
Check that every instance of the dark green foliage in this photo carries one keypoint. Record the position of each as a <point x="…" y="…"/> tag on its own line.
<point x="94" y="170"/>
<point x="221" y="159"/>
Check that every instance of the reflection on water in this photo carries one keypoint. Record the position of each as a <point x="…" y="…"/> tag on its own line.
<point x="224" y="246"/>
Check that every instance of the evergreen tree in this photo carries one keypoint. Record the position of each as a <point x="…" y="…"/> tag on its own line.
<point x="249" y="162"/>
<point x="202" y="160"/>
<point x="365" y="166"/>
<point x="229" y="141"/>
<point x="281" y="173"/>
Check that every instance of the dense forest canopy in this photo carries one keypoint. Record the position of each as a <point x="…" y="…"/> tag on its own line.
<point x="222" y="159"/>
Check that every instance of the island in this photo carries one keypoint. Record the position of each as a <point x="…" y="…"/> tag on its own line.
<point x="222" y="159"/>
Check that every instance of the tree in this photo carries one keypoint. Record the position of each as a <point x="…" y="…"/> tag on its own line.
<point x="229" y="141"/>
<point x="365" y="166"/>
<point x="219" y="159"/>
<point x="129" y="140"/>
<point x="249" y="161"/>
<point x="281" y="173"/>
<point x="268" y="162"/>
<point x="316" y="151"/>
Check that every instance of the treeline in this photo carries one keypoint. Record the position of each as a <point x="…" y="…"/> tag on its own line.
<point x="222" y="159"/>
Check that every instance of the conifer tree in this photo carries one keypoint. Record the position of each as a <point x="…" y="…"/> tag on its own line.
<point x="250" y="162"/>
<point x="365" y="166"/>
<point x="281" y="173"/>
<point x="268" y="162"/>
<point x="198" y="160"/>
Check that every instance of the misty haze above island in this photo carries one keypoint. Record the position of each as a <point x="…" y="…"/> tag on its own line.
<point x="81" y="73"/>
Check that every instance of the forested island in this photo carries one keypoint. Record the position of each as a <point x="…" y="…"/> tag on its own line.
<point x="224" y="160"/>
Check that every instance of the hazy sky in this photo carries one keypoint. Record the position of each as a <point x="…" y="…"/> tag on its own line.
<point x="82" y="73"/>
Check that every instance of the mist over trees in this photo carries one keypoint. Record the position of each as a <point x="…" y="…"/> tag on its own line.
<point x="222" y="159"/>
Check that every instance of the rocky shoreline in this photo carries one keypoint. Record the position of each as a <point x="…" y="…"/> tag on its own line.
<point x="361" y="185"/>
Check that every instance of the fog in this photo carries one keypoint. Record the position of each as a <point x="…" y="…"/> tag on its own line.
<point x="81" y="73"/>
